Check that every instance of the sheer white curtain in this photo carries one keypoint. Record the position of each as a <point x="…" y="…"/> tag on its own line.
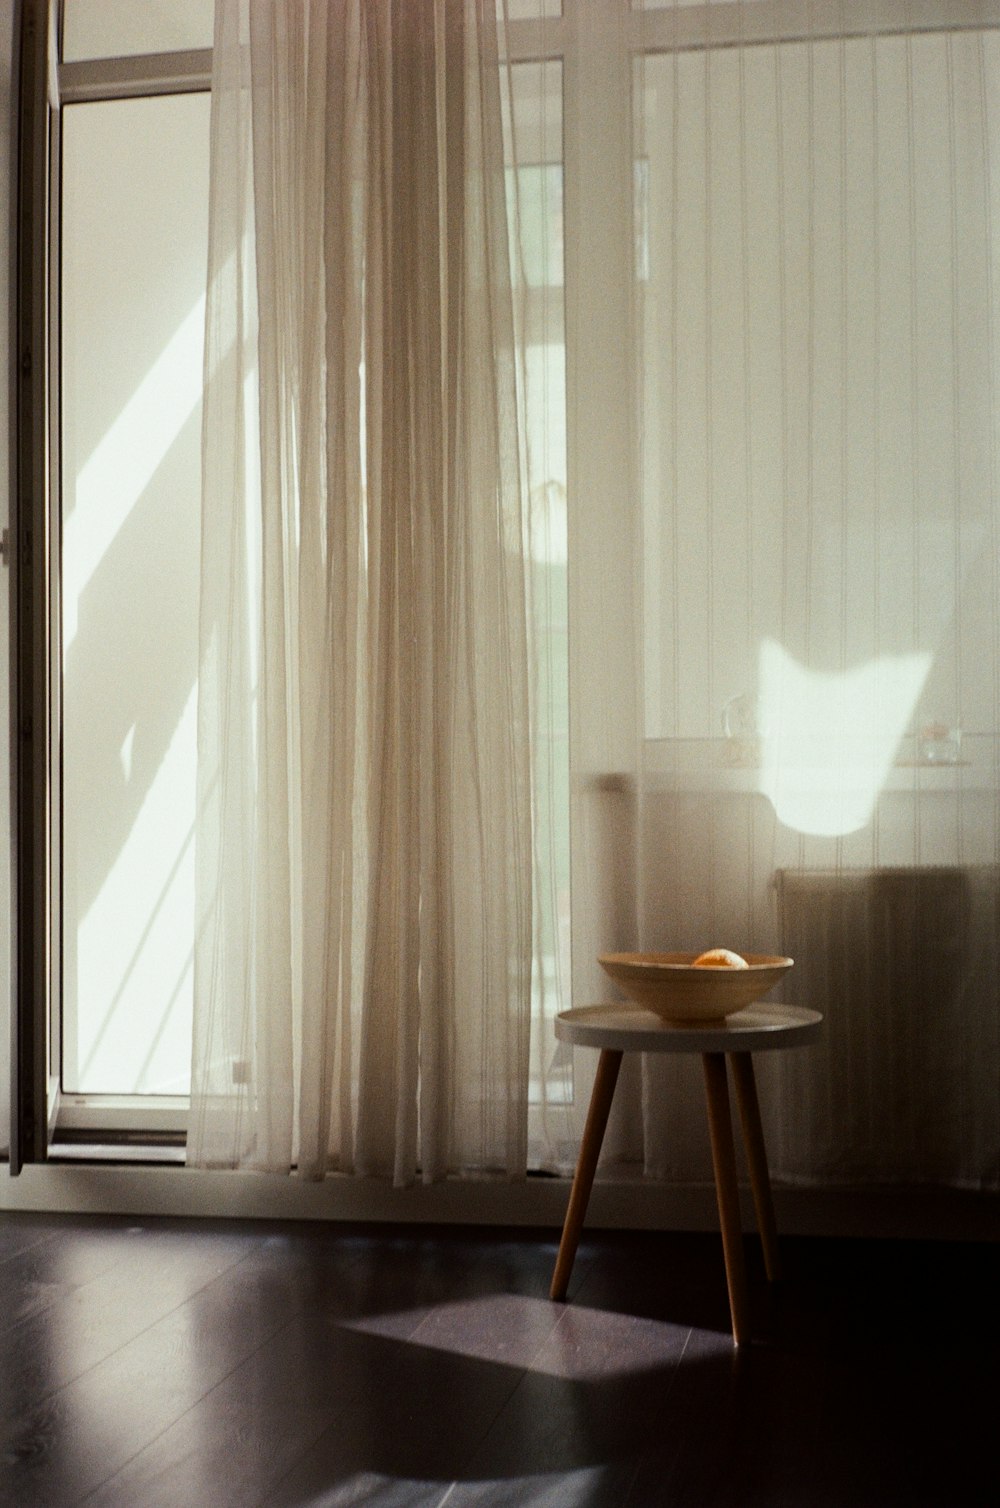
<point x="364" y="950"/>
<point x="812" y="650"/>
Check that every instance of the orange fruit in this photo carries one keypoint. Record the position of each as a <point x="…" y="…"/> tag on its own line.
<point x="720" y="958"/>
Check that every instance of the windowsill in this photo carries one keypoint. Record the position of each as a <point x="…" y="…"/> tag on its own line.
<point x="710" y="765"/>
<point x="124" y="1154"/>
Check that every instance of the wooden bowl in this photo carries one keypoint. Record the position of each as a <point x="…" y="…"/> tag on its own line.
<point x="668" y="984"/>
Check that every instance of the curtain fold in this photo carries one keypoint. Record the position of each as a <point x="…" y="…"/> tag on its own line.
<point x="364" y="949"/>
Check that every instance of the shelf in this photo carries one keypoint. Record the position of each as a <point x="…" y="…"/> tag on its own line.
<point x="703" y="765"/>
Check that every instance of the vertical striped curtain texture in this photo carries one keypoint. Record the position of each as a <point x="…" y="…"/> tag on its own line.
<point x="363" y="960"/>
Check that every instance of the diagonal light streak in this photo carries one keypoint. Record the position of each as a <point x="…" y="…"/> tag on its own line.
<point x="119" y="469"/>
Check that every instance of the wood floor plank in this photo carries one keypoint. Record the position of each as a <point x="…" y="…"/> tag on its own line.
<point x="19" y="1232"/>
<point x="74" y="1325"/>
<point x="103" y="1372"/>
<point x="721" y="1431"/>
<point x="37" y="1273"/>
<point x="368" y="1369"/>
<point x="589" y="1402"/>
<point x="372" y="1400"/>
<point x="190" y="1363"/>
<point x="414" y="1429"/>
<point x="441" y="1393"/>
<point x="584" y="1487"/>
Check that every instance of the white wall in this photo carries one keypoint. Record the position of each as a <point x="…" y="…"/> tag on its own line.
<point x="823" y="479"/>
<point x="820" y="433"/>
<point x="119" y="28"/>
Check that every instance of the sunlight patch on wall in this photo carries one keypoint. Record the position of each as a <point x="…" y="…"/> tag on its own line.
<point x="125" y="753"/>
<point x="134" y="943"/>
<point x="829" y="738"/>
<point x="116" y="474"/>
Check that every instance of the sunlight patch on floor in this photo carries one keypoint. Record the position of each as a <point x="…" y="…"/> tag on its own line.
<point x="568" y="1341"/>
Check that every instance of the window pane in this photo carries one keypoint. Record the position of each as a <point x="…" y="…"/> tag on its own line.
<point x="134" y="257"/>
<point x="124" y="28"/>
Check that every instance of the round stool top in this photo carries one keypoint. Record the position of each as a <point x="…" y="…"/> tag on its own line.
<point x="628" y="1028"/>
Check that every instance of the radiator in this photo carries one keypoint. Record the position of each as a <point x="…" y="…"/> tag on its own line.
<point x="904" y="965"/>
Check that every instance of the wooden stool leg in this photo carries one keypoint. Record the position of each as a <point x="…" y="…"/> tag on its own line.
<point x="720" y="1128"/>
<point x="590" y="1148"/>
<point x="753" y="1140"/>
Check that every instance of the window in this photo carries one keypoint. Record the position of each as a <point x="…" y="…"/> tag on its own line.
<point x="133" y="271"/>
<point x="633" y="140"/>
<point x="132" y="194"/>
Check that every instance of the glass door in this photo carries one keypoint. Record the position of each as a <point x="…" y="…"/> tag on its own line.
<point x="134" y="198"/>
<point x="104" y="550"/>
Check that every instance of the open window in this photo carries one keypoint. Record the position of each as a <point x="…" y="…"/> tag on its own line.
<point x="118" y="144"/>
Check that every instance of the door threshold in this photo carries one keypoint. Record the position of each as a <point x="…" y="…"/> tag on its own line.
<point x="133" y="1150"/>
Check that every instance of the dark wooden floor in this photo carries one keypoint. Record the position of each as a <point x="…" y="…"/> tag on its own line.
<point x="182" y="1363"/>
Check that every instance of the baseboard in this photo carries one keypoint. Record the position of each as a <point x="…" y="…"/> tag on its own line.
<point x="913" y="1213"/>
